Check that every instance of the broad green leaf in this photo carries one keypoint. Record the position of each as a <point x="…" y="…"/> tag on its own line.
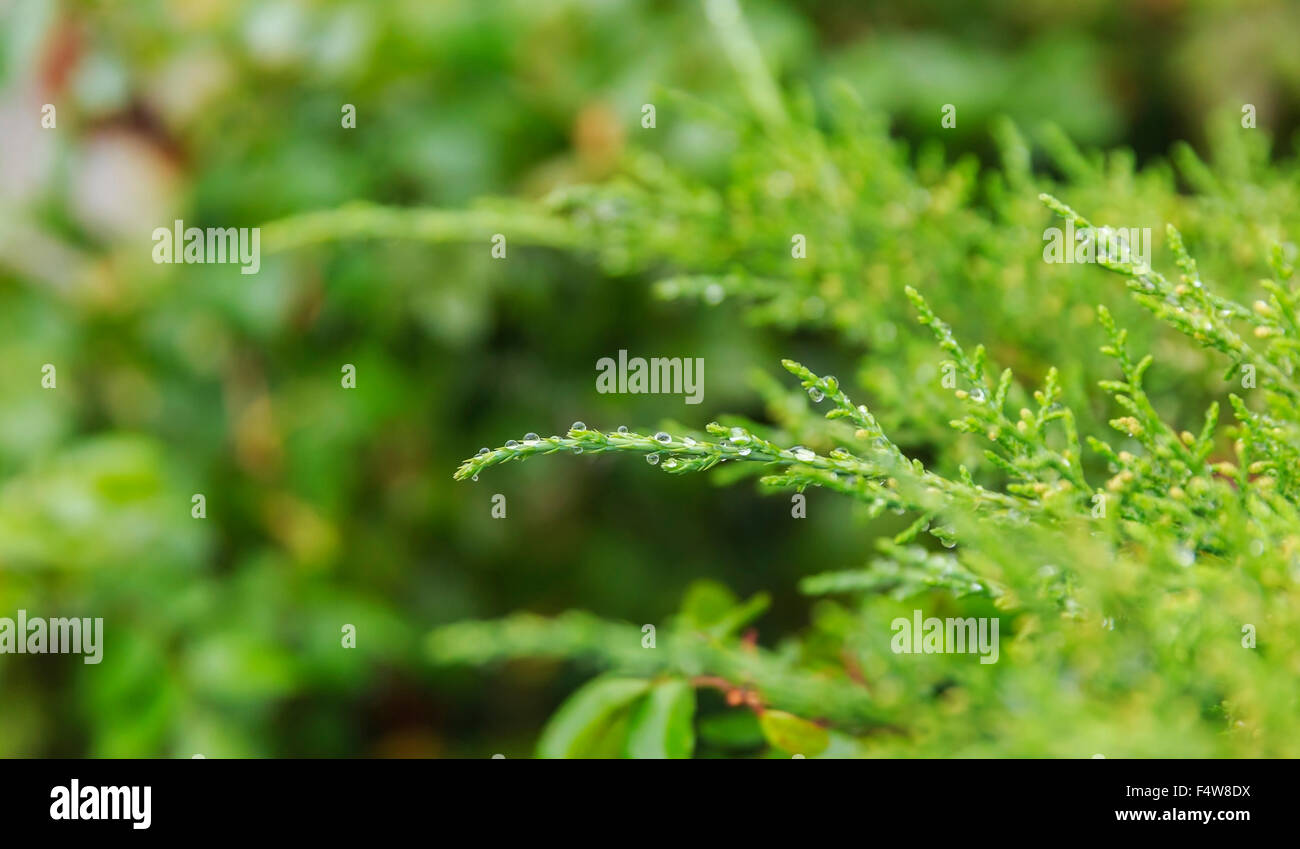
<point x="662" y="724"/>
<point x="593" y="721"/>
<point x="791" y="734"/>
<point x="732" y="729"/>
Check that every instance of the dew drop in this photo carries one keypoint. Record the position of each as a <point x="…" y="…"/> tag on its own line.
<point x="802" y="453"/>
<point x="474" y="478"/>
<point x="531" y="438"/>
<point x="744" y="452"/>
<point x="977" y="395"/>
<point x="738" y="436"/>
<point x="510" y="443"/>
<point x="652" y="459"/>
<point x="663" y="437"/>
<point x="622" y="428"/>
<point x="688" y="442"/>
<point x="483" y="451"/>
<point x="578" y="426"/>
<point x="816" y="394"/>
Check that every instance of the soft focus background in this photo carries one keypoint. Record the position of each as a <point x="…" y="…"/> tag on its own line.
<point x="328" y="506"/>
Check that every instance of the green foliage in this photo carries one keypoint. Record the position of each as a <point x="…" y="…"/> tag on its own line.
<point x="663" y="724"/>
<point x="1125" y="604"/>
<point x="1121" y="619"/>
<point x="1164" y="510"/>
<point x="595" y="721"/>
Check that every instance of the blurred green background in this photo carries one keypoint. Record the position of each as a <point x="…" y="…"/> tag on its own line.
<point x="328" y="506"/>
